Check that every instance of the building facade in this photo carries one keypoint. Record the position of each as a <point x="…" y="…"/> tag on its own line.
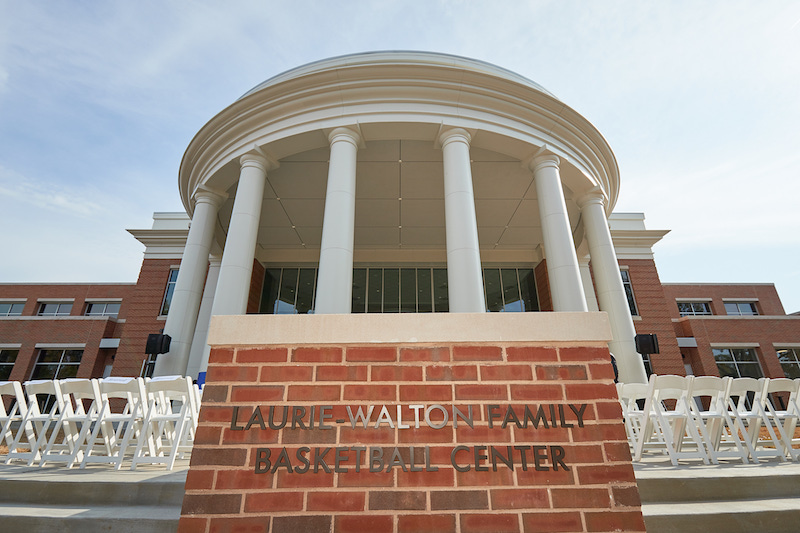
<point x="394" y="182"/>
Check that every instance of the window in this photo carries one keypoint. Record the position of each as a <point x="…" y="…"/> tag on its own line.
<point x="55" y="309"/>
<point x="103" y="309"/>
<point x="7" y="360"/>
<point x="626" y="283"/>
<point x="173" y="278"/>
<point x="737" y="362"/>
<point x="397" y="290"/>
<point x="11" y="308"/>
<point x="57" y="364"/>
<point x="694" y="308"/>
<point x="149" y="366"/>
<point x="790" y="361"/>
<point x="648" y="364"/>
<point x="510" y="289"/>
<point x="741" y="308"/>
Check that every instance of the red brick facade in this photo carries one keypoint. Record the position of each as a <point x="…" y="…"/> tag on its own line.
<point x="577" y="478"/>
<point x="30" y="330"/>
<point x="769" y="330"/>
<point x="141" y="304"/>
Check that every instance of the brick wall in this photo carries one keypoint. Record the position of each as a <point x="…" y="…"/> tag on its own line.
<point x="143" y="306"/>
<point x="655" y="315"/>
<point x="543" y="286"/>
<point x="760" y="332"/>
<point x="576" y="479"/>
<point x="30" y="329"/>
<point x="768" y="301"/>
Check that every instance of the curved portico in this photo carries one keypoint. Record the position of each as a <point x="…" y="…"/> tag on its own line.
<point x="400" y="159"/>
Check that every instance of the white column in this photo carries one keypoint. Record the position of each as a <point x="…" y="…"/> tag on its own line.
<point x="588" y="286"/>
<point x="610" y="291"/>
<point x="185" y="302"/>
<point x="236" y="268"/>
<point x="464" y="274"/>
<point x="335" y="275"/>
<point x="566" y="286"/>
<point x="198" y="356"/>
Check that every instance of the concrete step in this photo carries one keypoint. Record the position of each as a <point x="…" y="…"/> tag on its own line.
<point x="774" y="515"/>
<point x="97" y="499"/>
<point x="89" y="518"/>
<point x="728" y="497"/>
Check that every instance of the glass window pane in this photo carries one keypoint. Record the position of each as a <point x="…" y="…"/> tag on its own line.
<point x="8" y="356"/>
<point x="269" y="293"/>
<point x="359" y="290"/>
<point x="5" y="371"/>
<point x="72" y="356"/>
<point x="171" y="280"/>
<point x="424" y="292"/>
<point x="685" y="308"/>
<point x="722" y="354"/>
<point x="305" y="290"/>
<point x="64" y="309"/>
<point x="511" y="299"/>
<point x="731" y="308"/>
<point x="49" y="356"/>
<point x="67" y="371"/>
<point x="527" y="289"/>
<point x="5" y="309"/>
<point x="750" y="370"/>
<point x="727" y="369"/>
<point x="112" y="308"/>
<point x="47" y="371"/>
<point x="391" y="290"/>
<point x="441" y="302"/>
<point x="791" y="370"/>
<point x="408" y="290"/>
<point x="375" y="290"/>
<point x="288" y="292"/>
<point x="494" y="289"/>
<point x="744" y="354"/>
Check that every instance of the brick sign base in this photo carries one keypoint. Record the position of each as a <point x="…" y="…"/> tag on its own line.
<point x="461" y="437"/>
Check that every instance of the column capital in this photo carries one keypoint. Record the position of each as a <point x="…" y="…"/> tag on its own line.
<point x="544" y="161"/>
<point x="210" y="196"/>
<point x="345" y="134"/>
<point x="454" y="135"/>
<point x="259" y="161"/>
<point x="594" y="196"/>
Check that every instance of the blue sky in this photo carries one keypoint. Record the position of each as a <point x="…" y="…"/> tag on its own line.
<point x="699" y="100"/>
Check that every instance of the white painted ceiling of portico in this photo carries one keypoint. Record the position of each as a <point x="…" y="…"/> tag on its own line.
<point x="399" y="200"/>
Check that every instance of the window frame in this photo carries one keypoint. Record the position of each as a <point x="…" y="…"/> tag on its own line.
<point x="795" y="353"/>
<point x="105" y="303"/>
<point x="736" y="362"/>
<point x="694" y="312"/>
<point x="6" y="352"/>
<point x="627" y="286"/>
<point x="738" y="304"/>
<point x="58" y="304"/>
<point x="19" y="304"/>
<point x="169" y="290"/>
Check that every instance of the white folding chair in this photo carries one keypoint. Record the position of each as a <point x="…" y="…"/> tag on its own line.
<point x="114" y="432"/>
<point x="168" y="426"/>
<point x="13" y="408"/>
<point x="632" y="398"/>
<point x="668" y="424"/>
<point x="45" y="405"/>
<point x="779" y="401"/>
<point x="746" y="414"/>
<point x="82" y="402"/>
<point x="709" y="409"/>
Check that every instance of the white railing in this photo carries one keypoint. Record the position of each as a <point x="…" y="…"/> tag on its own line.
<point x="709" y="418"/>
<point x="111" y="420"/>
